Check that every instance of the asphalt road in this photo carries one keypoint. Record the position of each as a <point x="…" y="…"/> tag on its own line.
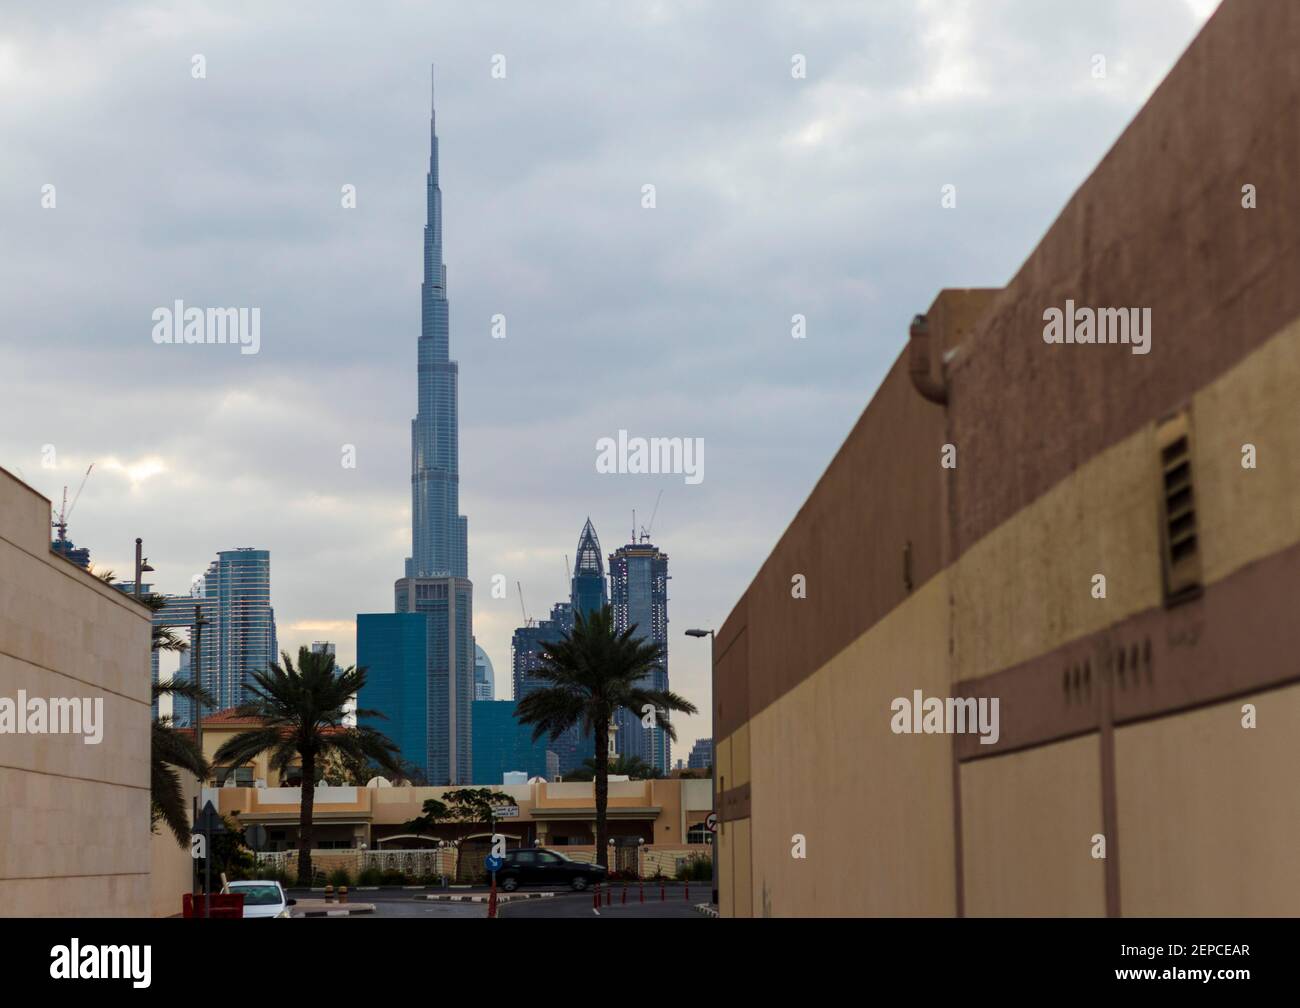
<point x="410" y="903"/>
<point x="399" y="903"/>
<point x="580" y="905"/>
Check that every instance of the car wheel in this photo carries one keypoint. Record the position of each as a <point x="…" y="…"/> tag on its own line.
<point x="509" y="883"/>
<point x="579" y="883"/>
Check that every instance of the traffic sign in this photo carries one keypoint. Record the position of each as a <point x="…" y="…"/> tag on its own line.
<point x="255" y="837"/>
<point x="493" y="863"/>
<point x="505" y="812"/>
<point x="711" y="823"/>
<point x="209" y="822"/>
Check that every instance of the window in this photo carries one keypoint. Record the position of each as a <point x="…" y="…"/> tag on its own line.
<point x="698" y="834"/>
<point x="242" y="776"/>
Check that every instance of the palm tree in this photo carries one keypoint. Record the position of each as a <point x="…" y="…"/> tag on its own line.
<point x="301" y="710"/>
<point x="595" y="672"/>
<point x="171" y="748"/>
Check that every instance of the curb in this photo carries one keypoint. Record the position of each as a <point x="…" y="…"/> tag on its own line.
<point x="708" y="909"/>
<point x="360" y="908"/>
<point x="501" y="897"/>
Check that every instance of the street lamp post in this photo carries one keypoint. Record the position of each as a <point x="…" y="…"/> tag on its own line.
<point x="141" y="564"/>
<point x="713" y="762"/>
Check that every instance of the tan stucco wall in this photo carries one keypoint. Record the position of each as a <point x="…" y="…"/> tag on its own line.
<point x="74" y="836"/>
<point x="1209" y="811"/>
<point x="1245" y="514"/>
<point x="1028" y="819"/>
<point x="875" y="808"/>
<point x="171" y="866"/>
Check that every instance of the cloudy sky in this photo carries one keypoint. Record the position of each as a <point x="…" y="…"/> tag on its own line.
<point x="775" y="196"/>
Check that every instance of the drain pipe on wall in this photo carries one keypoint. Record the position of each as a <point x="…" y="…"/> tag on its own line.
<point x="918" y="363"/>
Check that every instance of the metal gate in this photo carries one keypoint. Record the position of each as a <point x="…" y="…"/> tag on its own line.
<point x="625" y="856"/>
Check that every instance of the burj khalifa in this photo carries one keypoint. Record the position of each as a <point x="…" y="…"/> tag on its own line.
<point x="420" y="657"/>
<point x="438" y="532"/>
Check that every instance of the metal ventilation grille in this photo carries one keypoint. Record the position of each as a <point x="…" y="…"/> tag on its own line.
<point x="1178" y="530"/>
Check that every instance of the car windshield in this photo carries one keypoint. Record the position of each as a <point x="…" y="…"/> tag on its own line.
<point x="258" y="895"/>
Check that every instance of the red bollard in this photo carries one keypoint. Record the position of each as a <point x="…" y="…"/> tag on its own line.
<point x="688" y="890"/>
<point x="640" y="884"/>
<point x="492" y="897"/>
<point x="624" y="890"/>
<point x="663" y="891"/>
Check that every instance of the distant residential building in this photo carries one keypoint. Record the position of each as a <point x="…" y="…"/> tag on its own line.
<point x="526" y="647"/>
<point x="67" y="549"/>
<point x="526" y="657"/>
<point x="238" y="630"/>
<point x="484" y="676"/>
<point x="701" y="757"/>
<point x="178" y="612"/>
<point x="638" y="577"/>
<point x="502" y="744"/>
<point x="240" y="637"/>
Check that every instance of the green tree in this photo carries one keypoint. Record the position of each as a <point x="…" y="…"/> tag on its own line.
<point x="301" y="710"/>
<point x="632" y="767"/>
<point x="593" y="673"/>
<point x="464" y="806"/>
<point x="171" y="749"/>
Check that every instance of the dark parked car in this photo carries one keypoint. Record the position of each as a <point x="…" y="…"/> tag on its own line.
<point x="535" y="866"/>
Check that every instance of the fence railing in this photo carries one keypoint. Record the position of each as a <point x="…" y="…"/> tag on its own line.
<point x="419" y="866"/>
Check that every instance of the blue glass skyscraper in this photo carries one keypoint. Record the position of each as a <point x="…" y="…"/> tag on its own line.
<point x="439" y="543"/>
<point x="588" y="591"/>
<point x="638" y="575"/>
<point x="436" y="582"/>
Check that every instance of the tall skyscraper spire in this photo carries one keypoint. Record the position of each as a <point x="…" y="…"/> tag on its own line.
<point x="438" y="530"/>
<point x="421" y="656"/>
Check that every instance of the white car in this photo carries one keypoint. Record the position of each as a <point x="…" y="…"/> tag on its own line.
<point x="262" y="898"/>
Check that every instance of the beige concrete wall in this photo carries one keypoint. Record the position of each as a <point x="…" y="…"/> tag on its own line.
<point x="171" y="867"/>
<point x="875" y="808"/>
<point x="1028" y="819"/>
<point x="74" y="833"/>
<point x="1246" y="514"/>
<point x="1209" y="811"/>
<point x="1026" y="587"/>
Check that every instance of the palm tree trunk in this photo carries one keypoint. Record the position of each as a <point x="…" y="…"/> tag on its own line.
<point x="306" y="807"/>
<point x="602" y="800"/>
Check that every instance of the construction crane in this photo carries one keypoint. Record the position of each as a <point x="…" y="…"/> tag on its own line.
<point x="646" y="530"/>
<point x="528" y="620"/>
<point x="65" y="512"/>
